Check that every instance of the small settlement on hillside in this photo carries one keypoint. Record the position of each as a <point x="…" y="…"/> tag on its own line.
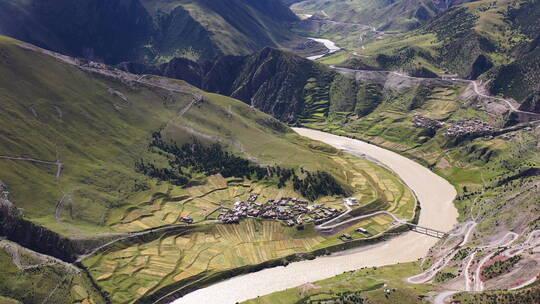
<point x="289" y="210"/>
<point x="456" y="128"/>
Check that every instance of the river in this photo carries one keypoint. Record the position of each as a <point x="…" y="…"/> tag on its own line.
<point x="438" y="212"/>
<point x="329" y="44"/>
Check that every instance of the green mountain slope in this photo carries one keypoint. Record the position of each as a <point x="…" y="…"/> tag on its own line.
<point x="495" y="42"/>
<point x="280" y="83"/>
<point x="101" y="167"/>
<point x="520" y="79"/>
<point x="382" y="14"/>
<point x="148" y="30"/>
<point x="98" y="127"/>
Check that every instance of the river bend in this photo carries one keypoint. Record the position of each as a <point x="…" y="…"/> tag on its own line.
<point x="438" y="212"/>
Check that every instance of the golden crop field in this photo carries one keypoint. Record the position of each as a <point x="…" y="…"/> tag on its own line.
<point x="141" y="269"/>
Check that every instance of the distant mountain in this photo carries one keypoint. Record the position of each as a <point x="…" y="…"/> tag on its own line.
<point x="279" y="83"/>
<point x="149" y="30"/>
<point x="493" y="42"/>
<point x="391" y="15"/>
<point x="520" y="79"/>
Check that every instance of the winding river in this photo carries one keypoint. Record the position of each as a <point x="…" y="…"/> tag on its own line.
<point x="438" y="212"/>
<point x="329" y="44"/>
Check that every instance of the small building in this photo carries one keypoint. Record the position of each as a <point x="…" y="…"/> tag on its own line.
<point x="186" y="219"/>
<point x="351" y="201"/>
<point x="361" y="230"/>
<point x="346" y="236"/>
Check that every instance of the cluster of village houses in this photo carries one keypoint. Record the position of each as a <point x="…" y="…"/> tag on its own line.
<point x="291" y="211"/>
<point x="469" y="126"/>
<point x="458" y="128"/>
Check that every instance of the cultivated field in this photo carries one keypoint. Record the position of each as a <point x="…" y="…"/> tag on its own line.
<point x="210" y="247"/>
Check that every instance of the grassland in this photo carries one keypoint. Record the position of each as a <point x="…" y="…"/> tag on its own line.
<point x="98" y="126"/>
<point x="142" y="269"/>
<point x="55" y="112"/>
<point x="32" y="278"/>
<point x="366" y="283"/>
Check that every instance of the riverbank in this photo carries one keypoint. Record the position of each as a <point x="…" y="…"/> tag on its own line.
<point x="434" y="193"/>
<point x="329" y="44"/>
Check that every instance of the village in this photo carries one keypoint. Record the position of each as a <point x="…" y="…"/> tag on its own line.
<point x="290" y="211"/>
<point x="458" y="128"/>
<point x="469" y="126"/>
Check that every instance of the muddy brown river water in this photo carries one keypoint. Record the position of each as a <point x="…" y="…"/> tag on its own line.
<point x="438" y="212"/>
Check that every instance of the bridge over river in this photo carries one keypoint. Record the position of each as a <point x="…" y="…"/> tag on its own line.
<point x="438" y="213"/>
<point x="427" y="231"/>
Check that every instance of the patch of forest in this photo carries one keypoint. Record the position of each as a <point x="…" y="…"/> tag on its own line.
<point x="500" y="267"/>
<point x="196" y="158"/>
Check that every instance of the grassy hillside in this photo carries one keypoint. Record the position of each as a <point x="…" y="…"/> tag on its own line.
<point x="519" y="79"/>
<point x="149" y="30"/>
<point x="496" y="42"/>
<point x="74" y="131"/>
<point x="364" y="285"/>
<point x="382" y="14"/>
<point x="277" y="82"/>
<point x="98" y="127"/>
<point x="24" y="270"/>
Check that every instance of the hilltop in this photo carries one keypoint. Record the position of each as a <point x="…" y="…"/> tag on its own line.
<point x="149" y="30"/>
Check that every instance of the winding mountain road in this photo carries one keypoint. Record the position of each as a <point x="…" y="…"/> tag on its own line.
<point x="327" y="225"/>
<point x="438" y="212"/>
<point x="58" y="164"/>
<point x="478" y="90"/>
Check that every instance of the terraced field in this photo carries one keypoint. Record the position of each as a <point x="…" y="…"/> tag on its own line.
<point x="199" y="202"/>
<point x="144" y="268"/>
<point x="164" y="204"/>
<point x="141" y="269"/>
<point x="391" y="122"/>
<point x="316" y="101"/>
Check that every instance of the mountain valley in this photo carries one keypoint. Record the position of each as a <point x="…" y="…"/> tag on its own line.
<point x="192" y="151"/>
